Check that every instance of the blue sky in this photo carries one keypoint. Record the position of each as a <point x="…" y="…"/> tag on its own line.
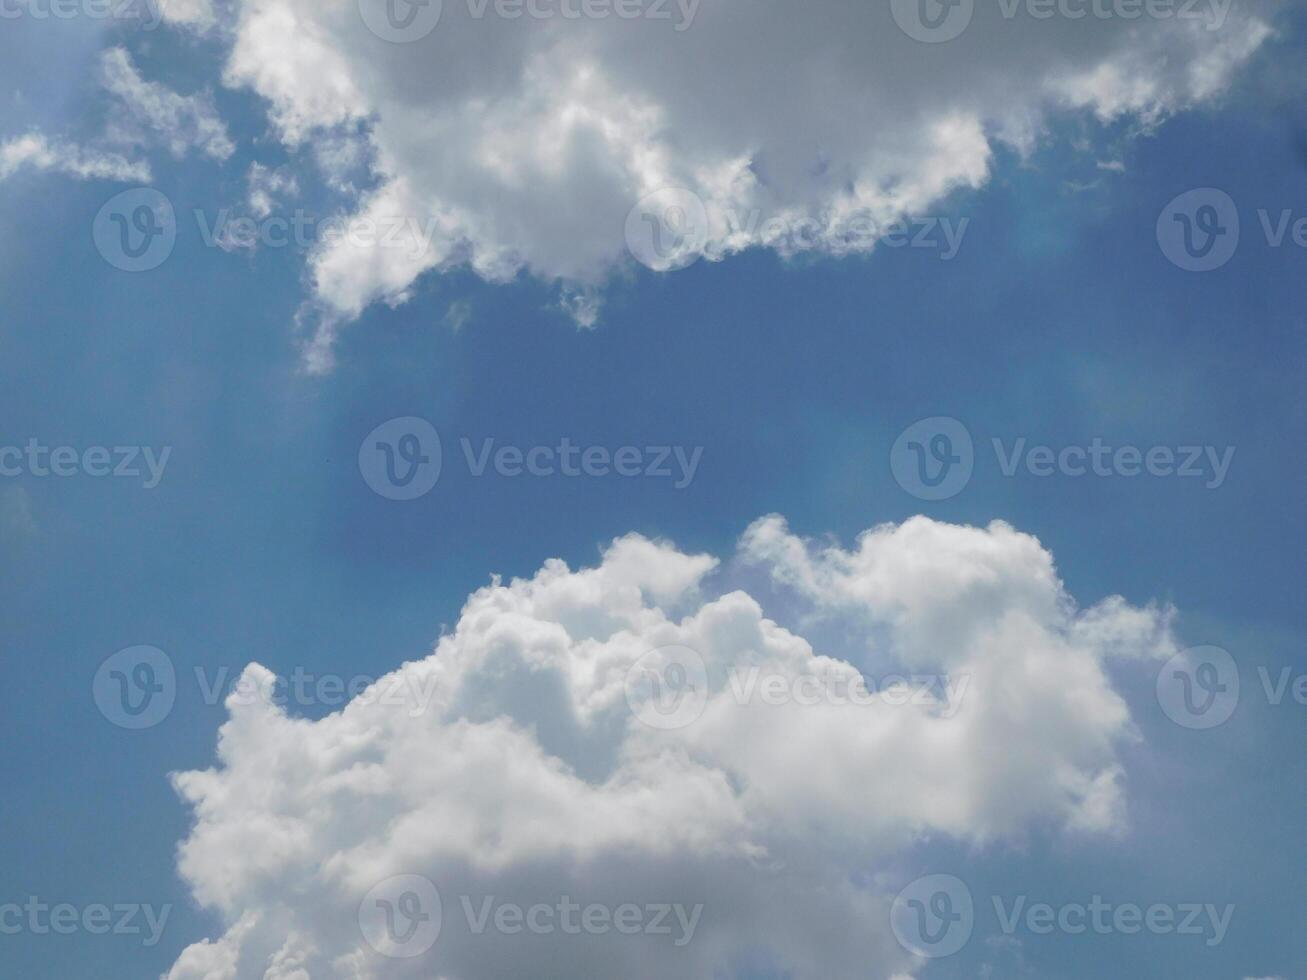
<point x="1059" y="320"/>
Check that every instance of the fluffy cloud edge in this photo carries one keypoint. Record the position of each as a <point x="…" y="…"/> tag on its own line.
<point x="578" y="126"/>
<point x="747" y="809"/>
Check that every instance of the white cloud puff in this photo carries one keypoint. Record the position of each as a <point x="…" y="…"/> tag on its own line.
<point x="142" y="113"/>
<point x="523" y="144"/>
<point x="198" y="15"/>
<point x="527" y="760"/>
<point x="38" y="152"/>
<point x="147" y="110"/>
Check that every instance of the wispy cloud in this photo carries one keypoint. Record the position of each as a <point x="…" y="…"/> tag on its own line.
<point x="36" y="152"/>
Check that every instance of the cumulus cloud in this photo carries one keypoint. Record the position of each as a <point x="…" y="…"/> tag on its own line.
<point x="525" y="143"/>
<point x="594" y="735"/>
<point x="38" y="152"/>
<point x="148" y="110"/>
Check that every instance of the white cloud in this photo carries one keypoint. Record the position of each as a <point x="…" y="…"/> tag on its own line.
<point x="150" y="110"/>
<point x="143" y="112"/>
<point x="237" y="229"/>
<point x="198" y="15"/>
<point x="528" y="141"/>
<point x="457" y="315"/>
<point x="267" y="187"/>
<point x="530" y="777"/>
<point x="36" y="151"/>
